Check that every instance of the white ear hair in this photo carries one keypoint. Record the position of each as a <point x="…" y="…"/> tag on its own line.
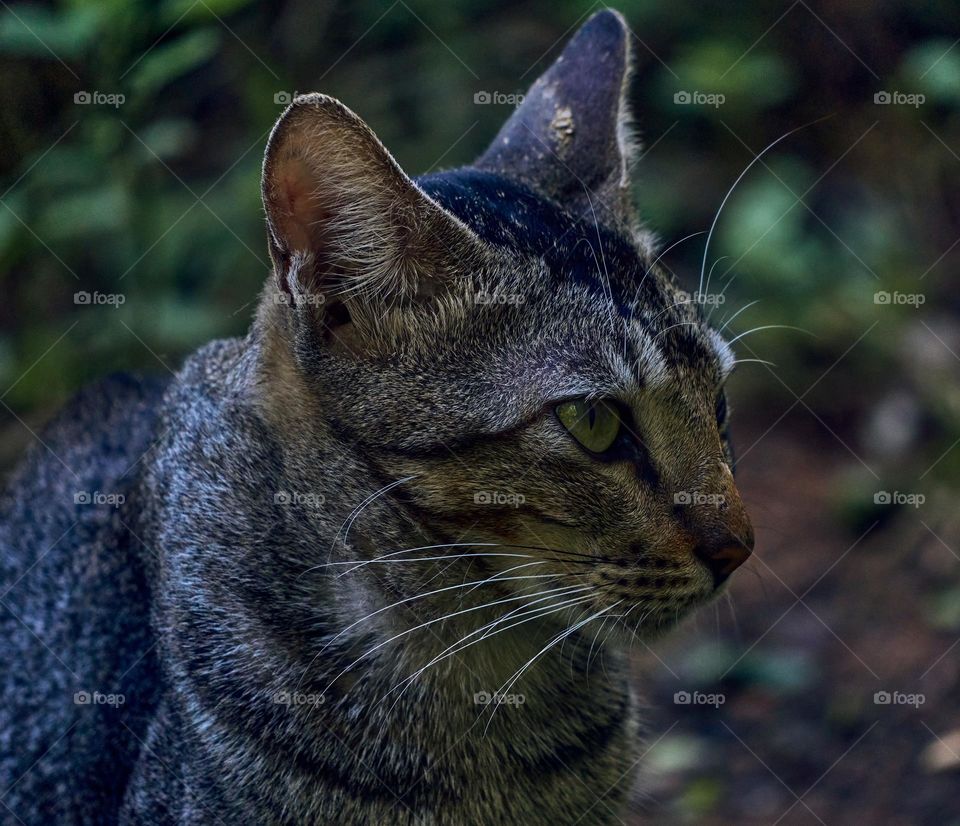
<point x="340" y="207"/>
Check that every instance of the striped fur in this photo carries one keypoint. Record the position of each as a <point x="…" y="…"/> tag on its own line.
<point x="356" y="524"/>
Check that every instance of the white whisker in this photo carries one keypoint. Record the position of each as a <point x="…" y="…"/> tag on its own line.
<point x="426" y="594"/>
<point x="348" y="523"/>
<point x="426" y="624"/>
<point x="364" y="563"/>
<point x="737" y="338"/>
<point x="716" y="217"/>
<point x="754" y="361"/>
<point x="672" y="326"/>
<point x="560" y="637"/>
<point x="656" y="260"/>
<point x="492" y="629"/>
<point x="744" y="307"/>
<point x="497" y="577"/>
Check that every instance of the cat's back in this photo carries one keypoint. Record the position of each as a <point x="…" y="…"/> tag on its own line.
<point x="79" y="679"/>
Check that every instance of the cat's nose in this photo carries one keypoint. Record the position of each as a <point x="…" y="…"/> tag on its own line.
<point x="723" y="554"/>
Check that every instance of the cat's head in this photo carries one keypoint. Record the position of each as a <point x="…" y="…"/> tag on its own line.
<point x="500" y="337"/>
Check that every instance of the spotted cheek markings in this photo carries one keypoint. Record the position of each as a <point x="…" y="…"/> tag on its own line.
<point x="662" y="587"/>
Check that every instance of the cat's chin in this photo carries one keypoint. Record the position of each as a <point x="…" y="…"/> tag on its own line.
<point x="656" y="629"/>
<point x="658" y="622"/>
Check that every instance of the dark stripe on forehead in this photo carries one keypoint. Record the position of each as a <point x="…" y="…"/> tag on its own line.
<point x="506" y="213"/>
<point x="686" y="344"/>
<point x="576" y="251"/>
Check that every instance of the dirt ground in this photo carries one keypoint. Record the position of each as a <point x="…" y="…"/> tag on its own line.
<point x="826" y="616"/>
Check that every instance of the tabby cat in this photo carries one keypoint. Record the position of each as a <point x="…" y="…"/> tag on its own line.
<point x="358" y="566"/>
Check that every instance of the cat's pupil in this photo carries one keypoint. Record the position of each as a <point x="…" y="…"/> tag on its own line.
<point x="592" y="416"/>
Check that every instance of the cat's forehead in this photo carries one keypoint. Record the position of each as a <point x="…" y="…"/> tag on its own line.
<point x="510" y="216"/>
<point x="594" y="288"/>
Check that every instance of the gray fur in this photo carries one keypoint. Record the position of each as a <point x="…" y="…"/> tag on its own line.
<point x="373" y="408"/>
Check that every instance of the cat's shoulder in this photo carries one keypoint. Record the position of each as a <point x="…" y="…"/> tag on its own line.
<point x="85" y="458"/>
<point x="105" y="424"/>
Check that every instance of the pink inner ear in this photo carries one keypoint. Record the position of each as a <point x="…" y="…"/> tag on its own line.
<point x="299" y="210"/>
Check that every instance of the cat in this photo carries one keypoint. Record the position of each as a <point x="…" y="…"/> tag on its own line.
<point x="357" y="567"/>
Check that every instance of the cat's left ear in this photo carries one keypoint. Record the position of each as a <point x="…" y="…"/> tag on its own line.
<point x="570" y="138"/>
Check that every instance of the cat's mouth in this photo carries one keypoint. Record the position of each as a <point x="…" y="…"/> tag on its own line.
<point x="648" y="606"/>
<point x="643" y="588"/>
<point x="632" y="601"/>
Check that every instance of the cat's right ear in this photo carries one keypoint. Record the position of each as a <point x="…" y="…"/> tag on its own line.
<point x="349" y="232"/>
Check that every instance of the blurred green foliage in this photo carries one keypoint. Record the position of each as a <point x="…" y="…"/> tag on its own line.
<point x="157" y="198"/>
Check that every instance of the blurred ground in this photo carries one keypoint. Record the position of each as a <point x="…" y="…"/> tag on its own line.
<point x="800" y="739"/>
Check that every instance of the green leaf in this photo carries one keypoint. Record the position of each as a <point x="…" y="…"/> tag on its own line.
<point x="34" y="31"/>
<point x="191" y="10"/>
<point x="943" y="610"/>
<point x="934" y="67"/>
<point x="170" y="61"/>
<point x="752" y="81"/>
<point x="84" y="213"/>
<point x="168" y="138"/>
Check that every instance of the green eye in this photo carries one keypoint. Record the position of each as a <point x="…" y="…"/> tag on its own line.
<point x="595" y="424"/>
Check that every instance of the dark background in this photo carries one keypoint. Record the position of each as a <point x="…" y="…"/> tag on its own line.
<point x="154" y="202"/>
